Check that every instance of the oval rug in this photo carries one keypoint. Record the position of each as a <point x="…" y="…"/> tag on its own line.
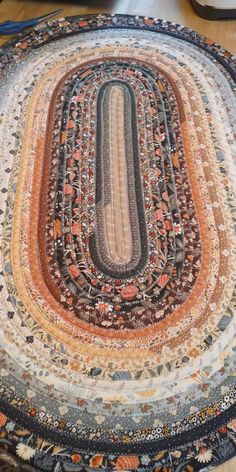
<point x="117" y="247"/>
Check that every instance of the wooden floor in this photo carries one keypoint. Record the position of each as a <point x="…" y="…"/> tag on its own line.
<point x="179" y="11"/>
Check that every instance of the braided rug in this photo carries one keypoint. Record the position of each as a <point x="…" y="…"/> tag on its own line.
<point x="117" y="247"/>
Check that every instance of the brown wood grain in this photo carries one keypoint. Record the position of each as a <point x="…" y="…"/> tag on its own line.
<point x="179" y="11"/>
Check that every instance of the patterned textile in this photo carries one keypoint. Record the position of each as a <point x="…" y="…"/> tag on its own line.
<point x="117" y="247"/>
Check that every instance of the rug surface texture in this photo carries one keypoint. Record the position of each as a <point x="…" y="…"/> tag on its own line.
<point x="117" y="247"/>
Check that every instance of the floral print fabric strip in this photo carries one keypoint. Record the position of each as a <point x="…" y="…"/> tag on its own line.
<point x="117" y="277"/>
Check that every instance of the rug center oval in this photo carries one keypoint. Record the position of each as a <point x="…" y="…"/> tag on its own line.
<point x="113" y="190"/>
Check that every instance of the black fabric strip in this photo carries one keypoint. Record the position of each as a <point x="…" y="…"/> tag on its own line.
<point x="138" y="188"/>
<point x="59" y="437"/>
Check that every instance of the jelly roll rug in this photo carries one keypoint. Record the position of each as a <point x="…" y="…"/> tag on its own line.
<point x="117" y="248"/>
